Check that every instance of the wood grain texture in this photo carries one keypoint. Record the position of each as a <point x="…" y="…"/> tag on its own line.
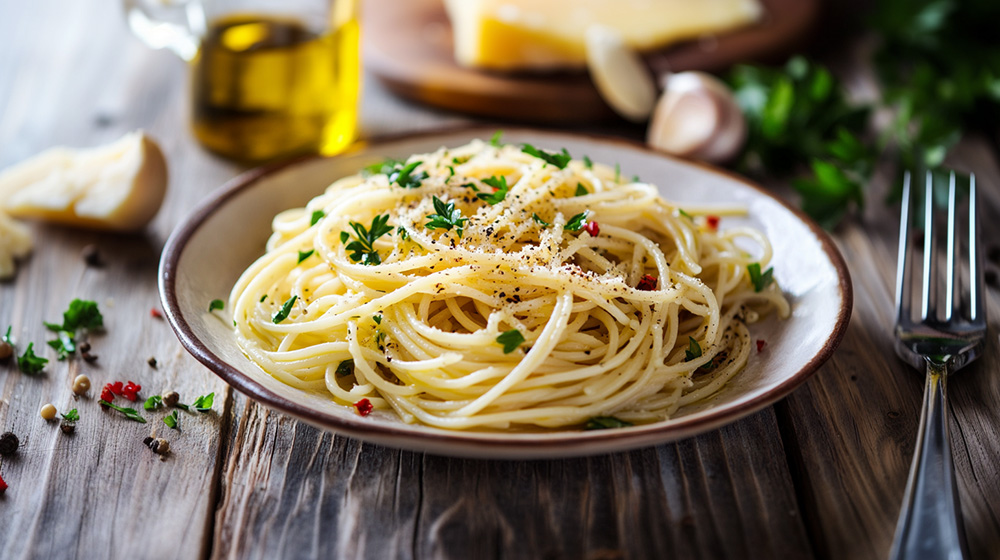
<point x="292" y="491"/>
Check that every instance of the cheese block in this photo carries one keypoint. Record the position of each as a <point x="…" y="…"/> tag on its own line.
<point x="15" y="243"/>
<point x="549" y="34"/>
<point x="117" y="187"/>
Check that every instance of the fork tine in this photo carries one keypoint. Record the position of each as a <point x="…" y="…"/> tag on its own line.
<point x="975" y="258"/>
<point x="952" y="270"/>
<point x="929" y="246"/>
<point x="902" y="287"/>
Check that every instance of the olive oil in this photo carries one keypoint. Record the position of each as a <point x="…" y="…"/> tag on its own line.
<point x="265" y="87"/>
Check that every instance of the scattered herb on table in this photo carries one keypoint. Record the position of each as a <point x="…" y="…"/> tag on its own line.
<point x="64" y="345"/>
<point x="204" y="403"/>
<point x="446" y="217"/>
<point x="363" y="248"/>
<point x="30" y="363"/>
<point x="130" y="413"/>
<point x="82" y="314"/>
<point x="605" y="422"/>
<point x="510" y="340"/>
<point x="172" y="420"/>
<point x="152" y="403"/>
<point x="71" y="416"/>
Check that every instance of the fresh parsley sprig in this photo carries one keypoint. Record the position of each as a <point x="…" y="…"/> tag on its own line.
<point x="363" y="248"/>
<point x="130" y="413"/>
<point x="404" y="176"/>
<point x="71" y="416"/>
<point x="172" y="420"/>
<point x="558" y="159"/>
<point x="29" y="363"/>
<point x="446" y="217"/>
<point x="577" y="222"/>
<point x="510" y="340"/>
<point x="500" y="187"/>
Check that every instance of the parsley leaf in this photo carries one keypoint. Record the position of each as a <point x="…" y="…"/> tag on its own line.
<point x="577" y="222"/>
<point x="495" y="140"/>
<point x="65" y="345"/>
<point x="693" y="350"/>
<point x="303" y="255"/>
<point x="403" y="175"/>
<point x="558" y="159"/>
<point x="286" y="308"/>
<point x="6" y="336"/>
<point x="204" y="403"/>
<point x="446" y="217"/>
<point x="363" y="250"/>
<point x="685" y="214"/>
<point x="345" y="368"/>
<point x="216" y="304"/>
<point x="760" y="281"/>
<point x="581" y="190"/>
<point x="496" y="197"/>
<point x="172" y="420"/>
<point x="81" y="314"/>
<point x="538" y="220"/>
<point x="605" y="422"/>
<point x="316" y="217"/>
<point x="510" y="340"/>
<point x="30" y="363"/>
<point x="262" y="298"/>
<point x="383" y="167"/>
<point x="130" y="413"/>
<point x="71" y="416"/>
<point x="587" y="163"/>
<point x="152" y="403"/>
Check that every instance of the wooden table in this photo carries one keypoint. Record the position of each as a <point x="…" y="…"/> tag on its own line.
<point x="821" y="474"/>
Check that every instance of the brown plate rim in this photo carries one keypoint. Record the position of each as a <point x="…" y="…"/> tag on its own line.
<point x="483" y="444"/>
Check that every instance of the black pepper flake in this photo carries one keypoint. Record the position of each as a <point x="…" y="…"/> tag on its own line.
<point x="152" y="362"/>
<point x="8" y="444"/>
<point x="89" y="358"/>
<point x="92" y="256"/>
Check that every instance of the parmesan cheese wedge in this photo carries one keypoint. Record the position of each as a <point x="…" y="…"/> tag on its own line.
<point x="15" y="243"/>
<point x="116" y="187"/>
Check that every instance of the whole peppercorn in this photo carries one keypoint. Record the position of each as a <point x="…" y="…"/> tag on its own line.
<point x="159" y="446"/>
<point x="8" y="444"/>
<point x="81" y="384"/>
<point x="83" y="347"/>
<point x="48" y="411"/>
<point x="6" y="351"/>
<point x="89" y="358"/>
<point x="171" y="398"/>
<point x="91" y="255"/>
<point x="152" y="362"/>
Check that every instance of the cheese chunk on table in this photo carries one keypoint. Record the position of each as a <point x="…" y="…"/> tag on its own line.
<point x="548" y="34"/>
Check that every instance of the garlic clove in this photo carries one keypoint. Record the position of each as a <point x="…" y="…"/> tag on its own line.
<point x="117" y="187"/>
<point x="697" y="117"/>
<point x="619" y="74"/>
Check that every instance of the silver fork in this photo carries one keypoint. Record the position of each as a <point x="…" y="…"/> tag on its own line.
<point x="940" y="341"/>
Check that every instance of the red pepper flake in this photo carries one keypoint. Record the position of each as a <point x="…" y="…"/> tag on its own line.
<point x="713" y="222"/>
<point x="364" y="406"/>
<point x="155" y="313"/>
<point x="592" y="228"/>
<point x="760" y="345"/>
<point x="117" y="387"/>
<point x="3" y="486"/>
<point x="131" y="390"/>
<point x="107" y="393"/>
<point x="647" y="283"/>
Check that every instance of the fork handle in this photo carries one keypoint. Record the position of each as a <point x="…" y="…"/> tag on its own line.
<point x="930" y="522"/>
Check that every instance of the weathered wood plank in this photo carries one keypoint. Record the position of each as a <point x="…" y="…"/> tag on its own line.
<point x="293" y="491"/>
<point x="71" y="74"/>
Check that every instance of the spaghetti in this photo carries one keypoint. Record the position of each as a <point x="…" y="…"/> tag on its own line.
<point x="503" y="287"/>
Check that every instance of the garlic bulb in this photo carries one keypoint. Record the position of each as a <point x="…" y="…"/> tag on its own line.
<point x="697" y="117"/>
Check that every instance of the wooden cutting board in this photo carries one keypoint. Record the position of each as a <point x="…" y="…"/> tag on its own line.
<point x="408" y="46"/>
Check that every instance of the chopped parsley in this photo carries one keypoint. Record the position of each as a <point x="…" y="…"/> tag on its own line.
<point x="587" y="163"/>
<point x="495" y="140"/>
<point x="216" y="304"/>
<point x="377" y="319"/>
<point x="286" y="308"/>
<point x="605" y="422"/>
<point x="404" y="234"/>
<point x="30" y="363"/>
<point x="446" y="217"/>
<point x="685" y="214"/>
<point x="693" y="351"/>
<point x="6" y="336"/>
<point x="404" y="176"/>
<point x="760" y="281"/>
<point x="577" y="222"/>
<point x="130" y="413"/>
<point x="316" y="217"/>
<point x="538" y="220"/>
<point x="204" y="403"/>
<point x="82" y="314"/>
<point x="172" y="420"/>
<point x="71" y="416"/>
<point x="496" y="197"/>
<point x="510" y="340"/>
<point x="560" y="160"/>
<point x="152" y="403"/>
<point x="618" y="172"/>
<point x="363" y="249"/>
<point x="384" y="167"/>
<point x="65" y="345"/>
<point x="345" y="368"/>
<point x="581" y="190"/>
<point x="303" y="255"/>
<point x="344" y="236"/>
<point x="262" y="298"/>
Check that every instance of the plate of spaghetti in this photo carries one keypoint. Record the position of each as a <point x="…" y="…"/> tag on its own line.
<point x="519" y="295"/>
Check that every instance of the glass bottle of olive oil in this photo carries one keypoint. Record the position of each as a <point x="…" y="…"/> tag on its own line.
<point x="265" y="87"/>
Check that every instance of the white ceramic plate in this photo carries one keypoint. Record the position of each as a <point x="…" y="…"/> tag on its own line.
<point x="207" y="253"/>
